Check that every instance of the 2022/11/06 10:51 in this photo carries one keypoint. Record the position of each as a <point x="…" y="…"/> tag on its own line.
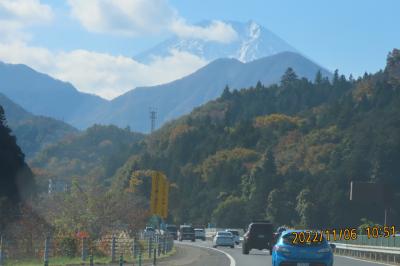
<point x="305" y="237"/>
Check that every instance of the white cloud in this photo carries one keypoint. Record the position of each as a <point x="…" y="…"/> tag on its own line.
<point x="126" y="17"/>
<point x="217" y="31"/>
<point x="102" y="74"/>
<point x="138" y="17"/>
<point x="16" y="15"/>
<point x="25" y="11"/>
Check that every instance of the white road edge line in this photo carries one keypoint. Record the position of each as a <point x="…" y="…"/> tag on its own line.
<point x="370" y="261"/>
<point x="231" y="259"/>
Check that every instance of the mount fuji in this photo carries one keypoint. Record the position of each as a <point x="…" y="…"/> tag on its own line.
<point x="253" y="42"/>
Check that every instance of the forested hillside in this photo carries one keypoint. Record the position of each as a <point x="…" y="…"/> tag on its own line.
<point x="16" y="180"/>
<point x="284" y="152"/>
<point x="95" y="153"/>
<point x="33" y="132"/>
<point x="181" y="96"/>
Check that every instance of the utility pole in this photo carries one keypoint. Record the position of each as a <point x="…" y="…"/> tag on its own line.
<point x="153" y="117"/>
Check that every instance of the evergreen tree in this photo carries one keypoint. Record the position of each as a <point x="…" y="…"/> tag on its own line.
<point x="288" y="77"/>
<point x="393" y="67"/>
<point x="351" y="78"/>
<point x="335" y="79"/>
<point x="318" y="78"/>
<point x="226" y="94"/>
<point x="16" y="179"/>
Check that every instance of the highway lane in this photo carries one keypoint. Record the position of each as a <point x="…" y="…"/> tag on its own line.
<point x="262" y="258"/>
<point x="191" y="255"/>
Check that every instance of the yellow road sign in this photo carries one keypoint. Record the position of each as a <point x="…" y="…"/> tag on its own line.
<point x="164" y="200"/>
<point x="161" y="185"/>
<point x="154" y="197"/>
<point x="159" y="194"/>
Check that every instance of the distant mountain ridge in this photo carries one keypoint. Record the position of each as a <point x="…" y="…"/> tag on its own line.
<point x="180" y="97"/>
<point x="43" y="95"/>
<point x="253" y="42"/>
<point x="33" y="132"/>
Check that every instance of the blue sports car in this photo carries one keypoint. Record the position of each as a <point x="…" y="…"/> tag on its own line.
<point x="302" y="248"/>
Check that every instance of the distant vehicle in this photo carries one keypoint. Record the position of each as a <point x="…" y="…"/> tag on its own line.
<point x="235" y="233"/>
<point x="258" y="236"/>
<point x="286" y="252"/>
<point x="200" y="233"/>
<point x="186" y="232"/>
<point x="278" y="233"/>
<point x="223" y="238"/>
<point x="149" y="232"/>
<point x="172" y="230"/>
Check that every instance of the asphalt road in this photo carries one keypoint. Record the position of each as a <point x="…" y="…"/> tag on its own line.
<point x="192" y="255"/>
<point x="255" y="257"/>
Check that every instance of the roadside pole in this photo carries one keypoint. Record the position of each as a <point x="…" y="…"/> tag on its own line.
<point x="1" y="251"/>
<point x="113" y="244"/>
<point x="46" y="251"/>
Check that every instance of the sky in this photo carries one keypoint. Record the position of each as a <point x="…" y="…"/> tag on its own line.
<point x="90" y="43"/>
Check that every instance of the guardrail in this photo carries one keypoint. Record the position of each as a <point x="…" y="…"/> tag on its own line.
<point x="389" y="255"/>
<point x="68" y="250"/>
<point x="363" y="240"/>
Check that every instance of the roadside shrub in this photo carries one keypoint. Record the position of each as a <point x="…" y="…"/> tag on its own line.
<point x="68" y="247"/>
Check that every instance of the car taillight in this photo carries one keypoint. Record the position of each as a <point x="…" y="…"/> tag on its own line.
<point x="281" y="249"/>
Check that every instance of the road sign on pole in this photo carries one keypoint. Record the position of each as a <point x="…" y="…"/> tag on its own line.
<point x="154" y="197"/>
<point x="164" y="200"/>
<point x="159" y="194"/>
<point x="161" y="185"/>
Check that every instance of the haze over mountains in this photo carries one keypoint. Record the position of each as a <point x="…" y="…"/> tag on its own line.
<point x="181" y="96"/>
<point x="239" y="64"/>
<point x="41" y="94"/>
<point x="33" y="132"/>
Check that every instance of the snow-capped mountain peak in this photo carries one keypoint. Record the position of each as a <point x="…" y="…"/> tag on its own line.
<point x="254" y="41"/>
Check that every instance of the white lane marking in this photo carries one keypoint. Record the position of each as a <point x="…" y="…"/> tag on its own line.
<point x="370" y="261"/>
<point x="231" y="259"/>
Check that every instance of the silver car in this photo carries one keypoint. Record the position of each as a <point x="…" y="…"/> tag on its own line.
<point x="223" y="238"/>
<point x="235" y="233"/>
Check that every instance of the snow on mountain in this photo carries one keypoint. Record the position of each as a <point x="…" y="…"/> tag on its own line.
<point x="253" y="42"/>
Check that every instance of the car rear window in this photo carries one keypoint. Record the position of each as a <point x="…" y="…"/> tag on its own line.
<point x="224" y="234"/>
<point x="187" y="229"/>
<point x="199" y="230"/>
<point x="261" y="228"/>
<point x="236" y="233"/>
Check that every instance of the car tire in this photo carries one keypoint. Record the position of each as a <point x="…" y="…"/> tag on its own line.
<point x="245" y="250"/>
<point x="233" y="246"/>
<point x="215" y="246"/>
<point x="193" y="240"/>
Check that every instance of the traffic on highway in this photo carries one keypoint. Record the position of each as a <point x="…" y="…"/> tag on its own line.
<point x="261" y="243"/>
